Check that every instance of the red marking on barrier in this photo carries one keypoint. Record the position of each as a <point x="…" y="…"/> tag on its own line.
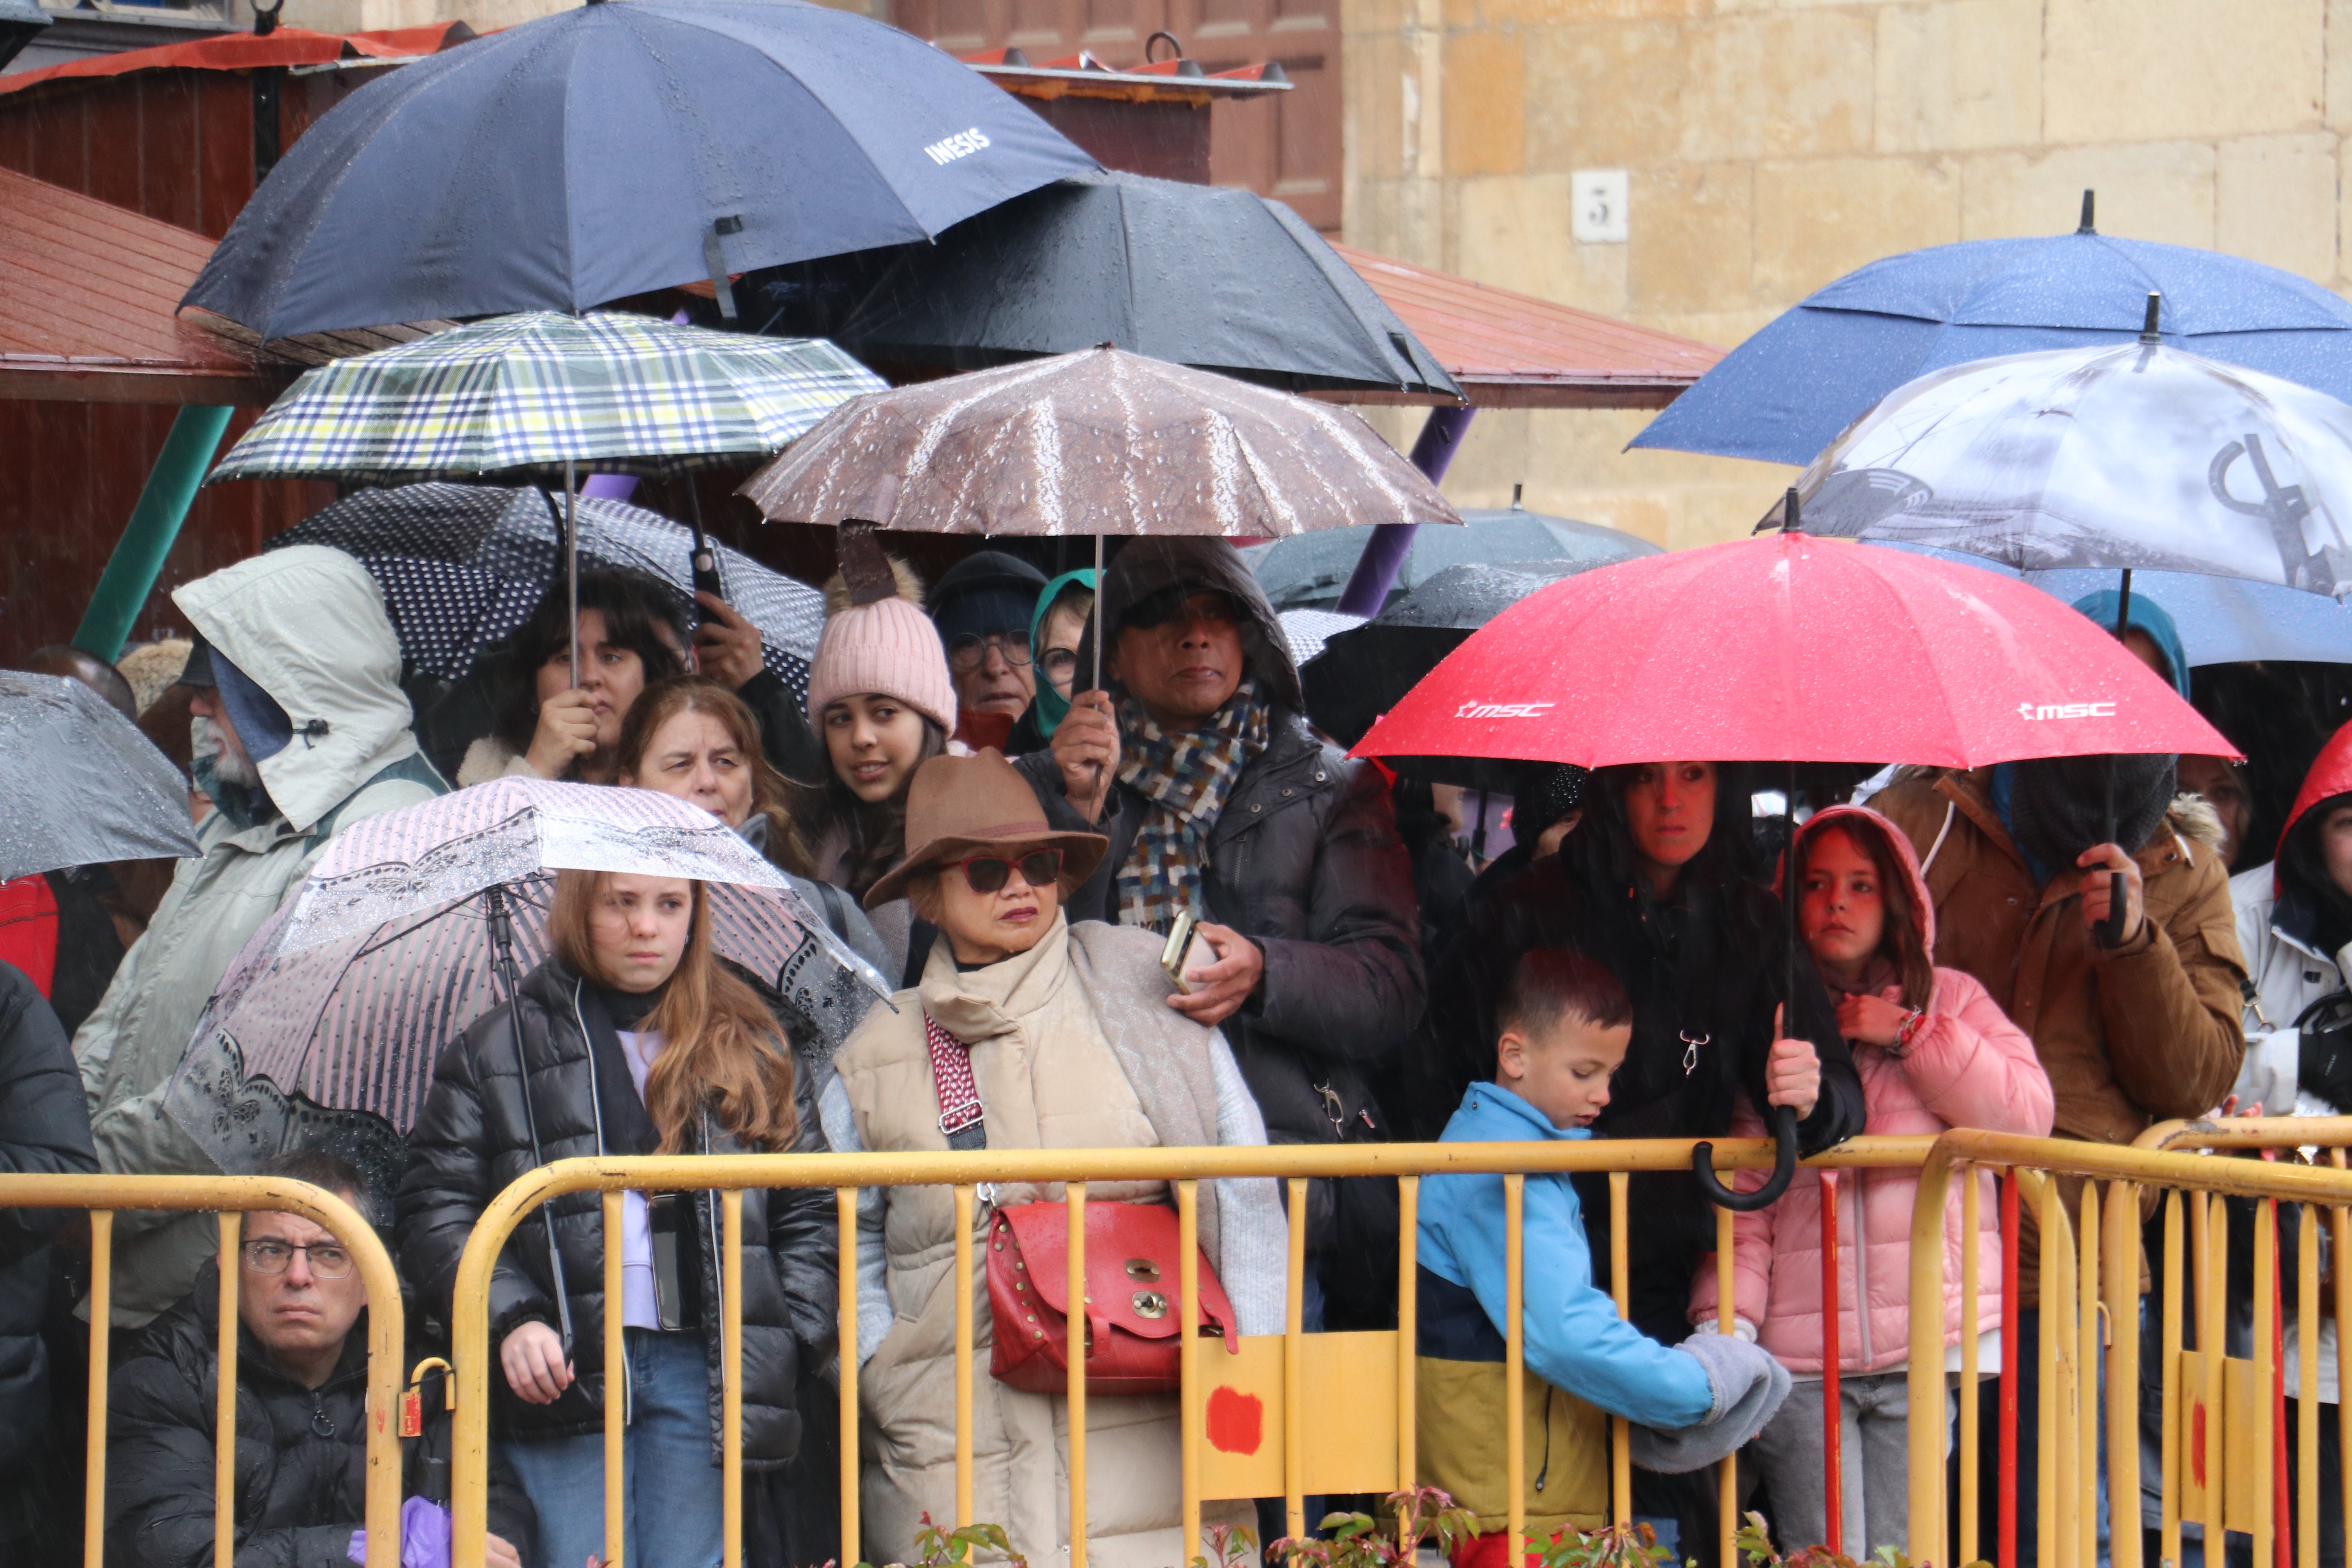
<point x="1236" y="1421"/>
<point x="2196" y="1441"/>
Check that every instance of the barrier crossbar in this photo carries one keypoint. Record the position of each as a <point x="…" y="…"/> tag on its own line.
<point x="2090" y="1263"/>
<point x="232" y="1197"/>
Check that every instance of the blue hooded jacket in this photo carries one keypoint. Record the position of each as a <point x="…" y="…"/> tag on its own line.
<point x="1574" y="1339"/>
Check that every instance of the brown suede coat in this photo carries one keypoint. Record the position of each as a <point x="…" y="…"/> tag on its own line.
<point x="2131" y="1037"/>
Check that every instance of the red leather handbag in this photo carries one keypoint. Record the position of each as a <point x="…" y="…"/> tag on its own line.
<point x="1132" y="1319"/>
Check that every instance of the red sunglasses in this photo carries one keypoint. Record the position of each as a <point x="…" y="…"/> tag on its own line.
<point x="988" y="873"/>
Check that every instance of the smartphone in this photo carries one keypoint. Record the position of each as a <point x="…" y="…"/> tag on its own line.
<point x="1186" y="950"/>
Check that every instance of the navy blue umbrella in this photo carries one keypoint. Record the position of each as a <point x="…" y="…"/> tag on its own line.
<point x="1786" y="393"/>
<point x="623" y="147"/>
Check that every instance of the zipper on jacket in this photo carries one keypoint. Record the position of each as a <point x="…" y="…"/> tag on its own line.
<point x="1861" y="1273"/>
<point x="321" y="1424"/>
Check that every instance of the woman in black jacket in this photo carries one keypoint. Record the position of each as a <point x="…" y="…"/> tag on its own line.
<point x="637" y="1041"/>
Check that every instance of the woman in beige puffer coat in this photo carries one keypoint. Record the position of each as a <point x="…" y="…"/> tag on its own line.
<point x="1071" y="1046"/>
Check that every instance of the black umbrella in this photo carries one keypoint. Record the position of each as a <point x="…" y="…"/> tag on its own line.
<point x="1197" y="275"/>
<point x="615" y="148"/>
<point x="1310" y="571"/>
<point x="462" y="566"/>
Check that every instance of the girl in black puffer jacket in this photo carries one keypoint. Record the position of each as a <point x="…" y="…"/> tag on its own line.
<point x="637" y="1041"/>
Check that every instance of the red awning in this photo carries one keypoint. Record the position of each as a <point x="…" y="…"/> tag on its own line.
<point x="1516" y="351"/>
<point x="88" y="296"/>
<point x="249" y="51"/>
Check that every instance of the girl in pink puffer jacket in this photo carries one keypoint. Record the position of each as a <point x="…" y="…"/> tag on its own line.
<point x="1933" y="1051"/>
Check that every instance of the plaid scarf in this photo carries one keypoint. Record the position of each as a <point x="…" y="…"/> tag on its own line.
<point x="1186" y="777"/>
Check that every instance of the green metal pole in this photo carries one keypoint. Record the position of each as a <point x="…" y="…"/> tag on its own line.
<point x="154" y="525"/>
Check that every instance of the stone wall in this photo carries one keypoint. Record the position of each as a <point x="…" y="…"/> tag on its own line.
<point x="1774" y="144"/>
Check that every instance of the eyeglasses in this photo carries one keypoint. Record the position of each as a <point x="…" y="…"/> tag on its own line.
<point x="1060" y="664"/>
<point x="327" y="1259"/>
<point x="1183" y="602"/>
<point x="967" y="651"/>
<point x="988" y="873"/>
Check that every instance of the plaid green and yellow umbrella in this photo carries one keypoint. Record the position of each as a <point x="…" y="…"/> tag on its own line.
<point x="536" y="396"/>
<point x="528" y="395"/>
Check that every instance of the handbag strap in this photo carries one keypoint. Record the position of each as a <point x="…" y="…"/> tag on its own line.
<point x="961" y="1116"/>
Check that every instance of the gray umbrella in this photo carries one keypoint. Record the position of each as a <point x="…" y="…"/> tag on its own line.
<point x="1309" y="573"/>
<point x="1206" y="275"/>
<point x="79" y="783"/>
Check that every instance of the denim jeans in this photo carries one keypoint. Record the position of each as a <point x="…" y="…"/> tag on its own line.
<point x="668" y="1465"/>
<point x="2029" y="1449"/>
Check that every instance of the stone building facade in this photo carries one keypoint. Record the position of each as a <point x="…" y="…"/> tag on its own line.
<point x="1771" y="146"/>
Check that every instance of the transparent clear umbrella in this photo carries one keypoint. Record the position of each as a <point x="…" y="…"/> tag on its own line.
<point x="2138" y="456"/>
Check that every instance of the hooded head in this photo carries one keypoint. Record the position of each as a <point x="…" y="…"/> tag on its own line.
<point x="1150" y="570"/>
<point x="2150" y="618"/>
<point x="1078" y="587"/>
<point x="316" y="664"/>
<point x="1908" y="936"/>
<point x="2312" y="904"/>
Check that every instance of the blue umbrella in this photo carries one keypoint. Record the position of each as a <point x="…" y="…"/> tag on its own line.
<point x="618" y="147"/>
<point x="1786" y="393"/>
<point x="2221" y="620"/>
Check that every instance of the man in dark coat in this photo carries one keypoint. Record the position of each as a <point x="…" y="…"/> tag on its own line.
<point x="301" y="1410"/>
<point x="1218" y="802"/>
<point x="44" y="1131"/>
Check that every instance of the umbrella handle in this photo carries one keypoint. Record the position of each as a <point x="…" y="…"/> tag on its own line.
<point x="1784" y="1168"/>
<point x="2111" y="929"/>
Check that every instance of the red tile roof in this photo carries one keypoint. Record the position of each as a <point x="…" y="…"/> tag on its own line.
<point x="1515" y="350"/>
<point x="248" y="51"/>
<point x="88" y="296"/>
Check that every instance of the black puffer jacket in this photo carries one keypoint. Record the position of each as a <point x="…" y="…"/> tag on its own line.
<point x="1304" y="860"/>
<point x="1708" y="966"/>
<point x="473" y="1139"/>
<point x="44" y="1131"/>
<point x="301" y="1454"/>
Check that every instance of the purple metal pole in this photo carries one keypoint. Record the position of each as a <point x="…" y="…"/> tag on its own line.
<point x="1383" y="557"/>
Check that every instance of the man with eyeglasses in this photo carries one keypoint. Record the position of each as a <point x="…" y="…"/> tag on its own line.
<point x="1218" y="802"/>
<point x="982" y="606"/>
<point x="302" y="1409"/>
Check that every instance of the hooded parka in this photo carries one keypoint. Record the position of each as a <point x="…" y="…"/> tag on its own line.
<point x="1967" y="1067"/>
<point x="301" y="1453"/>
<point x="44" y="1132"/>
<point x="1073" y="1047"/>
<point x="2280" y="926"/>
<point x="306" y="623"/>
<point x="1304" y="860"/>
<point x="2129" y="1037"/>
<point x="473" y="1139"/>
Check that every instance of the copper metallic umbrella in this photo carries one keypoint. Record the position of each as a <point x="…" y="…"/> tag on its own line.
<point x="1098" y="442"/>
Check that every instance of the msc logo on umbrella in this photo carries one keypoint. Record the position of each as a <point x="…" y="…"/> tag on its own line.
<point x="962" y="145"/>
<point x="1502" y="710"/>
<point x="2066" y="710"/>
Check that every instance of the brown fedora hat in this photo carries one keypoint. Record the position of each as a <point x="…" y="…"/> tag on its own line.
<point x="960" y="804"/>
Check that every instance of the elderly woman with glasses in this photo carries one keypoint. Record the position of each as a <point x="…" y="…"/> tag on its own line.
<point x="1026" y="1032"/>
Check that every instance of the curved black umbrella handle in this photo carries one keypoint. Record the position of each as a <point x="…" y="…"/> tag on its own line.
<point x="1784" y="1168"/>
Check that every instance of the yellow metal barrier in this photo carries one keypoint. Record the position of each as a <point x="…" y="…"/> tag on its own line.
<point x="233" y="1197"/>
<point x="2090" y="1256"/>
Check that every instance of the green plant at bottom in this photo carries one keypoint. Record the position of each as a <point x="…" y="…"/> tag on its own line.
<point x="1359" y="1541"/>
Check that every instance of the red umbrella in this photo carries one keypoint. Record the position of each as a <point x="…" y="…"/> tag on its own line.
<point x="1791" y="647"/>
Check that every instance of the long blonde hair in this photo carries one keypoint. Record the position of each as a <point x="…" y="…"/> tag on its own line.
<point x="721" y="1048"/>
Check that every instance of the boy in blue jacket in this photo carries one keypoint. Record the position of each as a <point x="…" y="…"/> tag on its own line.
<point x="1564" y="1024"/>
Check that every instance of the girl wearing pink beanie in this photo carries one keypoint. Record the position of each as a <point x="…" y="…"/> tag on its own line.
<point x="880" y="697"/>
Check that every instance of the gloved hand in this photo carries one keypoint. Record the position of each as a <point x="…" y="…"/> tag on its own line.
<point x="2324" y="1061"/>
<point x="1749" y="1383"/>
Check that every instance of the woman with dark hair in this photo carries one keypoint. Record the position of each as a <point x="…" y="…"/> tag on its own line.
<point x="1652" y="884"/>
<point x="631" y="633"/>
<point x="1933" y="1051"/>
<point x="637" y="1041"/>
<point x="882" y="702"/>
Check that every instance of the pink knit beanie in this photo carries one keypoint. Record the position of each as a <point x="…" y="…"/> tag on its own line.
<point x="879" y="641"/>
